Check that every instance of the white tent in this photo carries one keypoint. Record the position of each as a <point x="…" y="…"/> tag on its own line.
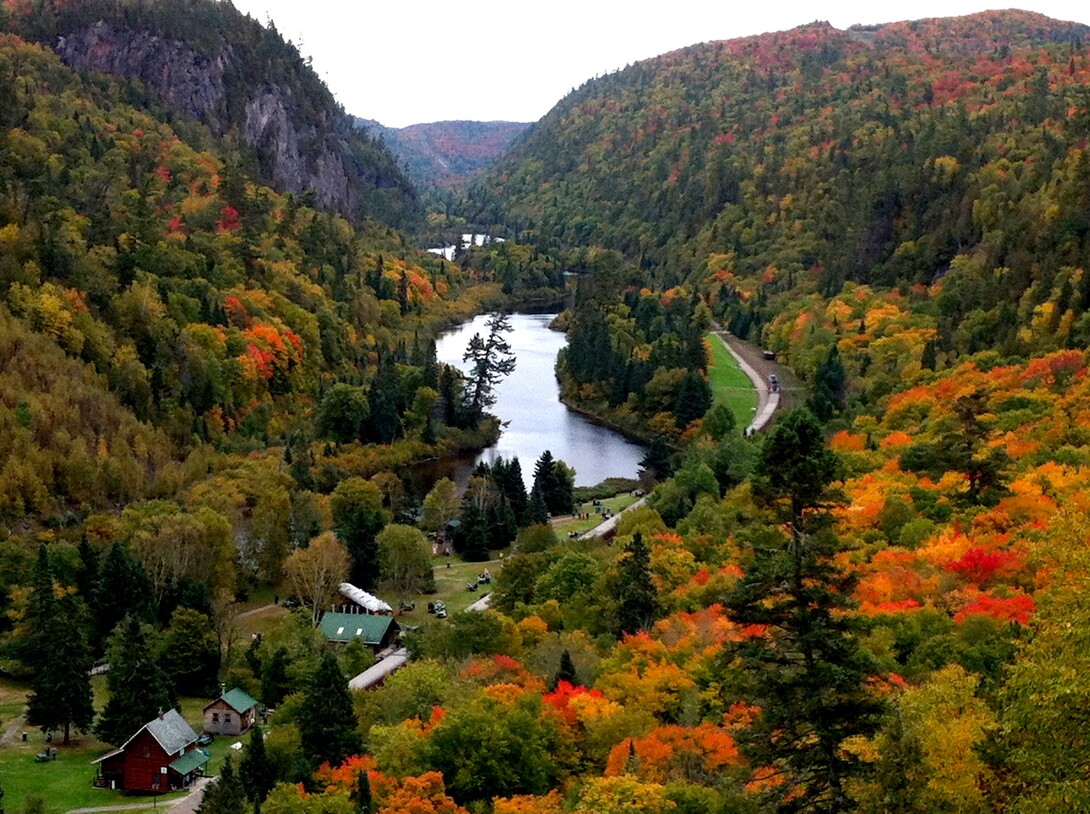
<point x="363" y="599"/>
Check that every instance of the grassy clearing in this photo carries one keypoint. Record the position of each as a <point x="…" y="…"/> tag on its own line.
<point x="451" y="584"/>
<point x="564" y="526"/>
<point x="64" y="783"/>
<point x="729" y="384"/>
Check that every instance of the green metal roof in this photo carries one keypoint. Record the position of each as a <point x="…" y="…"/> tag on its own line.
<point x="239" y="700"/>
<point x="344" y="627"/>
<point x="190" y="761"/>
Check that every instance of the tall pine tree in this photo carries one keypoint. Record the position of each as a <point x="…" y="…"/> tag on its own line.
<point x="807" y="673"/>
<point x="637" y="598"/>
<point x="327" y="719"/>
<point x="138" y="687"/>
<point x="256" y="771"/>
<point x="225" y="795"/>
<point x="60" y="693"/>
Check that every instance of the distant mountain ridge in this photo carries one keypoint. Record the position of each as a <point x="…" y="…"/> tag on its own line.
<point x="443" y="153"/>
<point x="206" y="60"/>
<point x="733" y="146"/>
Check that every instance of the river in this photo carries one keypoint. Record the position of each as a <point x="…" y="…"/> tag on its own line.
<point x="528" y="401"/>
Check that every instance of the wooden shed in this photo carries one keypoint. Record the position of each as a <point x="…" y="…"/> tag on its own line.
<point x="230" y="714"/>
<point x="162" y="756"/>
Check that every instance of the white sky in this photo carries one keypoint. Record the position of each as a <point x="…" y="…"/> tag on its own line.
<point x="404" y="62"/>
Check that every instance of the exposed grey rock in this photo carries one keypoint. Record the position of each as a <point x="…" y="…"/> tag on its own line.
<point x="293" y="156"/>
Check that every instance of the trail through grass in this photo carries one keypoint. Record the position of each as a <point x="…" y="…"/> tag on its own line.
<point x="729" y="384"/>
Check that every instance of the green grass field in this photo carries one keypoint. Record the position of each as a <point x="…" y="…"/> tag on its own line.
<point x="65" y="783"/>
<point x="729" y="384"/>
<point x="563" y="526"/>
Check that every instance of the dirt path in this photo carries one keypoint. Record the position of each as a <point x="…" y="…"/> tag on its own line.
<point x="255" y="611"/>
<point x="13" y="729"/>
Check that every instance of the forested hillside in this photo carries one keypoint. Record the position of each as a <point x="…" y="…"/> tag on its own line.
<point x="443" y="153"/>
<point x="214" y="394"/>
<point x="946" y="153"/>
<point x="209" y="62"/>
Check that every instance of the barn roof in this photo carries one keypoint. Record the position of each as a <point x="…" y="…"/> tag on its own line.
<point x="344" y="627"/>
<point x="170" y="731"/>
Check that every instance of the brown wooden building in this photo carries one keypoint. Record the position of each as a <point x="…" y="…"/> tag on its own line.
<point x="230" y="714"/>
<point x="162" y="756"/>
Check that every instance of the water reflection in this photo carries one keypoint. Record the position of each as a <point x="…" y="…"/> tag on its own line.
<point x="528" y="401"/>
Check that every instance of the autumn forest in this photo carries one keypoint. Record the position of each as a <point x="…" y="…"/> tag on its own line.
<point x="220" y="398"/>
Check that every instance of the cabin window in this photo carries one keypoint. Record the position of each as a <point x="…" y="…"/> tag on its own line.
<point x="227" y="717"/>
<point x="340" y="630"/>
<point x="215" y="717"/>
<point x="359" y="631"/>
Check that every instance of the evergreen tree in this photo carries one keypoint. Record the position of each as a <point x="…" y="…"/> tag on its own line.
<point x="138" y="687"/>
<point x="256" y="772"/>
<point x="693" y="399"/>
<point x="275" y="683"/>
<point x="636" y="595"/>
<point x="87" y="573"/>
<point x="40" y="613"/>
<point x="554" y="481"/>
<point x="225" y="795"/>
<point x="60" y="696"/>
<point x="327" y="719"/>
<point x="655" y="464"/>
<point x="566" y="672"/>
<point x="384" y="423"/>
<point x="473" y="535"/>
<point x="123" y="590"/>
<point x="536" y="511"/>
<point x="490" y="358"/>
<point x="808" y="674"/>
<point x="830" y="386"/>
<point x="362" y="795"/>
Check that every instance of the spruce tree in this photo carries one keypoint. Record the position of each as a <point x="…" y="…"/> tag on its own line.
<point x="138" y="687"/>
<point x="830" y="386"/>
<point x="655" y="464"/>
<point x="362" y="796"/>
<point x="693" y="399"/>
<point x="256" y="772"/>
<point x="327" y="719"/>
<point x="60" y="696"/>
<point x="123" y="589"/>
<point x="275" y="682"/>
<point x="40" y="612"/>
<point x="225" y="796"/>
<point x="536" y="510"/>
<point x="566" y="671"/>
<point x="87" y="574"/>
<point x="637" y="598"/>
<point x="808" y="673"/>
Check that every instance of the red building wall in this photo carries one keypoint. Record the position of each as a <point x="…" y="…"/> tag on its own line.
<point x="141" y="765"/>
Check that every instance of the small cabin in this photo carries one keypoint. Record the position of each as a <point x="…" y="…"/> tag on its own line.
<point x="162" y="756"/>
<point x="230" y="714"/>
<point x="376" y="631"/>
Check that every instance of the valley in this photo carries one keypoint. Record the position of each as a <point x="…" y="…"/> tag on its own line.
<point x="803" y="314"/>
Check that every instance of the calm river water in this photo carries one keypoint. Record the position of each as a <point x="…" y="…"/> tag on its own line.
<point x="529" y="399"/>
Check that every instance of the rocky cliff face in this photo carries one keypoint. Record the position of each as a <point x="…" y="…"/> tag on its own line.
<point x="296" y="152"/>
<point x="187" y="81"/>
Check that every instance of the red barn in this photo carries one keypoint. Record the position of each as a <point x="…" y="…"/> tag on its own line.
<point x="161" y="757"/>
